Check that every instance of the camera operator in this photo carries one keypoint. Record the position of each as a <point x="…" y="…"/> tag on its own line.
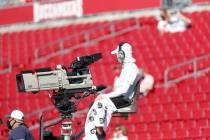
<point x="15" y="123"/>
<point x="100" y="113"/>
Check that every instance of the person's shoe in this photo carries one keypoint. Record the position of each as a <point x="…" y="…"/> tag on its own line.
<point x="102" y="135"/>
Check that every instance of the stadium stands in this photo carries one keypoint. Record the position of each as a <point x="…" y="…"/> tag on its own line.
<point x="178" y="112"/>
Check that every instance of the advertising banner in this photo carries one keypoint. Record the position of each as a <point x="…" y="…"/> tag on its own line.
<point x="60" y="9"/>
<point x="40" y="11"/>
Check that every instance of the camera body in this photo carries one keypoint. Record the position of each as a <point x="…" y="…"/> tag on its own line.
<point x="47" y="79"/>
<point x="77" y="80"/>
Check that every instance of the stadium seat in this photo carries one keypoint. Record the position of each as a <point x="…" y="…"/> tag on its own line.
<point x="179" y="112"/>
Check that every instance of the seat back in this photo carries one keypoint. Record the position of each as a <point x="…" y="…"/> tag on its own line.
<point x="132" y="107"/>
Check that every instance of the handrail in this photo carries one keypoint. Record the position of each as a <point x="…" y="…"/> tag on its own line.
<point x="195" y="73"/>
<point x="70" y="37"/>
<point x="57" y="119"/>
<point x="87" y="41"/>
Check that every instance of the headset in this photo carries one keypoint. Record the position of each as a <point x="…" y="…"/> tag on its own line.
<point x="121" y="53"/>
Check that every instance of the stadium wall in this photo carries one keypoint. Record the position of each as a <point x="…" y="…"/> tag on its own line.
<point x="16" y="14"/>
<point x="95" y="6"/>
<point x="31" y="12"/>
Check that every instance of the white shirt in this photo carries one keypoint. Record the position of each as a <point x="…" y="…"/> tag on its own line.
<point x="174" y="25"/>
<point x="128" y="77"/>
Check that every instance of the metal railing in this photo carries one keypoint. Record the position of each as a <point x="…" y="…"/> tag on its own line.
<point x="52" y="121"/>
<point x="196" y="72"/>
<point x="87" y="42"/>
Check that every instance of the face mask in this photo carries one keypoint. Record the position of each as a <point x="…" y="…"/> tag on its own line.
<point x="9" y="125"/>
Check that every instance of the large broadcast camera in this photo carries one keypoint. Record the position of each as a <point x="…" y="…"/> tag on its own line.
<point x="62" y="82"/>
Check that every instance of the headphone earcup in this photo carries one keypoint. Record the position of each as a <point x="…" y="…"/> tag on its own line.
<point x="121" y="55"/>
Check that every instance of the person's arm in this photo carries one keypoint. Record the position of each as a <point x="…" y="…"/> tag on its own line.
<point x="162" y="26"/>
<point x="129" y="76"/>
<point x="117" y="92"/>
<point x="184" y="18"/>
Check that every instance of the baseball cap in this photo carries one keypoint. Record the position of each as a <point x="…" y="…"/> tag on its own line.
<point x="126" y="47"/>
<point x="17" y="114"/>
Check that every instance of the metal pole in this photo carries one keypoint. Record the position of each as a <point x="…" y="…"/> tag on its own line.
<point x="195" y="67"/>
<point x="166" y="77"/>
<point x="41" y="127"/>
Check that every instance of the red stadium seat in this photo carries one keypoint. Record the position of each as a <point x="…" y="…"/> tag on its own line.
<point x="180" y="112"/>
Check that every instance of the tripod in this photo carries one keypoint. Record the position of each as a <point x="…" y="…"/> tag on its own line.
<point x="66" y="128"/>
<point x="66" y="106"/>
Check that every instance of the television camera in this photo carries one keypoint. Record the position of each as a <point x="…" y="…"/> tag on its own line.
<point x="63" y="82"/>
<point x="67" y="85"/>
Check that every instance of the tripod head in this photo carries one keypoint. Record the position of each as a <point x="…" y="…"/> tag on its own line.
<point x="65" y="102"/>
